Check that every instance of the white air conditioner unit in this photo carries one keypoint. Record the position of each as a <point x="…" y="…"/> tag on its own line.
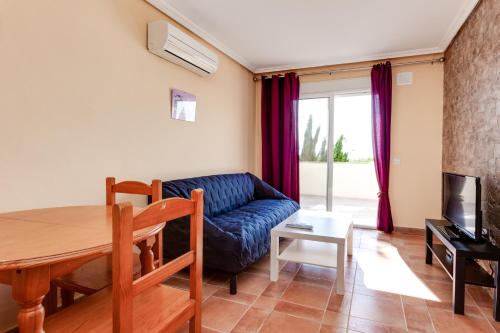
<point x="168" y="42"/>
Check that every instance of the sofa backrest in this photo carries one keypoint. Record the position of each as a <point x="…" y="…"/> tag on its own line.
<point x="222" y="193"/>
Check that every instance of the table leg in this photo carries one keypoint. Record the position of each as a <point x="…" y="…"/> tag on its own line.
<point x="339" y="286"/>
<point x="274" y="257"/>
<point x="29" y="286"/>
<point x="350" y="241"/>
<point x="428" y="242"/>
<point x="458" y="284"/>
<point x="147" y="255"/>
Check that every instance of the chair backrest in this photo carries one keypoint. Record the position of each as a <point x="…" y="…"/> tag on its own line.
<point x="124" y="224"/>
<point x="134" y="187"/>
<point x="131" y="187"/>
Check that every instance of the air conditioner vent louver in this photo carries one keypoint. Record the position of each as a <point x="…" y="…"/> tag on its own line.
<point x="168" y="42"/>
<point x="201" y="69"/>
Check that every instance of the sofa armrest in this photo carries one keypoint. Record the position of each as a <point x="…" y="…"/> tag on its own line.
<point x="263" y="190"/>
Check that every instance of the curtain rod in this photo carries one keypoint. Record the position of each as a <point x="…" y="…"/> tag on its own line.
<point x="340" y="70"/>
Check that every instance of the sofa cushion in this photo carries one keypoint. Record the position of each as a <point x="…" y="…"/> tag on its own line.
<point x="251" y="226"/>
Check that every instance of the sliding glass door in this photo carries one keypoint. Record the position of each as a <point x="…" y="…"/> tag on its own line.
<point x="336" y="158"/>
<point x="315" y="153"/>
<point x="354" y="182"/>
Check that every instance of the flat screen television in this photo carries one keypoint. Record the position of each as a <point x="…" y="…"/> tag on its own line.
<point x="462" y="203"/>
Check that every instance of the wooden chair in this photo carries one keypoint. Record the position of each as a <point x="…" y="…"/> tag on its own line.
<point x="143" y="305"/>
<point x="96" y="275"/>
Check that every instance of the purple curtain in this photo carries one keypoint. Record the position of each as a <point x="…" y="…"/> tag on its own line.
<point x="381" y="117"/>
<point x="279" y="122"/>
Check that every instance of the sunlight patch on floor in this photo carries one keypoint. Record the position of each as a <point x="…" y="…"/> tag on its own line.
<point x="384" y="270"/>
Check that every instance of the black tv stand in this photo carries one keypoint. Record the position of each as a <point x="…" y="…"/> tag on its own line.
<point x="458" y="258"/>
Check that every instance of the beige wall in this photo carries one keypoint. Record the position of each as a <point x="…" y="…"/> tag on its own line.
<point x="417" y="114"/>
<point x="82" y="99"/>
<point x="417" y="122"/>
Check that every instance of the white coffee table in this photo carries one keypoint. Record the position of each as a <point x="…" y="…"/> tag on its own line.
<point x="324" y="246"/>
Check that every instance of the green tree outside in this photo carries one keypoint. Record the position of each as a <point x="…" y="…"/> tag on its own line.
<point x="338" y="151"/>
<point x="310" y="142"/>
<point x="322" y="152"/>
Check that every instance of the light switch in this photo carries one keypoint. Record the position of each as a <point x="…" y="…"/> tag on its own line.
<point x="397" y="161"/>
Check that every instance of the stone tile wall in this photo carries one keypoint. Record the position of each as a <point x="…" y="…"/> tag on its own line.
<point x="471" y="124"/>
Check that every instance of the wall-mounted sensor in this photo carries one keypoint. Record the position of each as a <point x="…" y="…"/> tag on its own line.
<point x="405" y="78"/>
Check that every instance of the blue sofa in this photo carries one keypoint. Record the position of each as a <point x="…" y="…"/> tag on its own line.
<point x="240" y="211"/>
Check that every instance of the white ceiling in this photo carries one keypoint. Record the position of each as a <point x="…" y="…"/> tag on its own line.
<point x="267" y="35"/>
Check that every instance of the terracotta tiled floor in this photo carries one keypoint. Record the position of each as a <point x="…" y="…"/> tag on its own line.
<point x="389" y="289"/>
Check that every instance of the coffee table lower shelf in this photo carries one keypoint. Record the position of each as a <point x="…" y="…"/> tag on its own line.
<point x="325" y="245"/>
<point x="310" y="252"/>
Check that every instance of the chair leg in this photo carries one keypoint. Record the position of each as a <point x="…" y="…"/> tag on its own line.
<point x="158" y="250"/>
<point x="67" y="297"/>
<point x="195" y="324"/>
<point x="233" y="284"/>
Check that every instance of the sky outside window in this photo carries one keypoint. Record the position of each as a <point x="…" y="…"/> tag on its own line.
<point x="352" y="119"/>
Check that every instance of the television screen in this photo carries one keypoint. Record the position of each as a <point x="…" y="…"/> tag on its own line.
<point x="461" y="199"/>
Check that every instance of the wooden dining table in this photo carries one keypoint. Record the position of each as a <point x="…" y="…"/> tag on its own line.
<point x="39" y="245"/>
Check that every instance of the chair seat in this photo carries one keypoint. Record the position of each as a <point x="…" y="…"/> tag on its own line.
<point x="93" y="276"/>
<point x="152" y="308"/>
